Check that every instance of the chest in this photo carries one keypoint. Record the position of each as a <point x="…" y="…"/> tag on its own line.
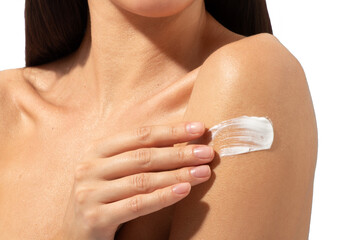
<point x="37" y="175"/>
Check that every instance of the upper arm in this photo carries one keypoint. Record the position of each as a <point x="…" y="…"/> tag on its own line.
<point x="258" y="195"/>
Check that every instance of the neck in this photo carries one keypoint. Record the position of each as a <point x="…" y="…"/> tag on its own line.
<point x="123" y="53"/>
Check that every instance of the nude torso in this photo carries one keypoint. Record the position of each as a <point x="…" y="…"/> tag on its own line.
<point x="36" y="172"/>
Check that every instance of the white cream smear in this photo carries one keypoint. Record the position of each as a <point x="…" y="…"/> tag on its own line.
<point x="242" y="135"/>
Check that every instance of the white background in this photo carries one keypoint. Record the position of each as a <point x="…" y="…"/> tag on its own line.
<point x="324" y="36"/>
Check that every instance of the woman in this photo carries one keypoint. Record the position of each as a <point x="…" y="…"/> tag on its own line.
<point x="95" y="130"/>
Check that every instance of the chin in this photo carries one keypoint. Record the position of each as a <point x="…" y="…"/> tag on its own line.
<point x="154" y="8"/>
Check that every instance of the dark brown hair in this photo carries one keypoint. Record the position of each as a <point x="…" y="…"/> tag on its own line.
<point x="55" y="28"/>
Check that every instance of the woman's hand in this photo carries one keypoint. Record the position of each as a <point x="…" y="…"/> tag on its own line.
<point x="127" y="175"/>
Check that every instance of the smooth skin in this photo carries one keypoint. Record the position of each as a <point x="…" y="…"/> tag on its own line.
<point x="146" y="67"/>
<point x="110" y="190"/>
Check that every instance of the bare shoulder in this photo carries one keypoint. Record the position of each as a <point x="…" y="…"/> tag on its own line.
<point x="260" y="54"/>
<point x="257" y="70"/>
<point x="264" y="194"/>
<point x="14" y="81"/>
<point x="9" y="77"/>
<point x="18" y="97"/>
<point x="10" y="114"/>
<point x="11" y="81"/>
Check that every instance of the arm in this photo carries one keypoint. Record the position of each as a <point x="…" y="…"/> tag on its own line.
<point x="258" y="195"/>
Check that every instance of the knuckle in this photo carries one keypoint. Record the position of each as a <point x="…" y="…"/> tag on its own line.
<point x="174" y="132"/>
<point x="81" y="170"/>
<point x="143" y="133"/>
<point x="162" y="197"/>
<point x="180" y="175"/>
<point x="135" y="204"/>
<point x="141" y="182"/>
<point x="143" y="157"/>
<point x="82" y="194"/>
<point x="180" y="155"/>
<point x="92" y="218"/>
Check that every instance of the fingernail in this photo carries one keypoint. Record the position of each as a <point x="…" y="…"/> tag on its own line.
<point x="201" y="171"/>
<point x="181" y="188"/>
<point x="203" y="152"/>
<point x="195" y="127"/>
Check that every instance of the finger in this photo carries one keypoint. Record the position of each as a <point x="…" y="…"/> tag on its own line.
<point x="139" y="205"/>
<point x="141" y="183"/>
<point x="149" y="136"/>
<point x="153" y="159"/>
